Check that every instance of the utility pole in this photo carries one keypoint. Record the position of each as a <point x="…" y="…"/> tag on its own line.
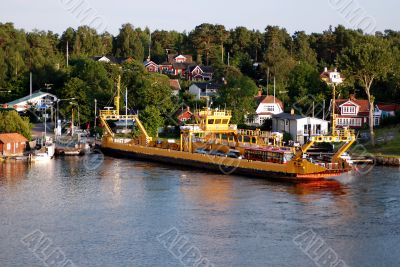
<point x="126" y="110"/>
<point x="333" y="110"/>
<point x="95" y="114"/>
<point x="67" y="55"/>
<point x="267" y="80"/>
<point x="30" y="85"/>
<point x="150" y="46"/>
<point x="274" y="88"/>
<point x="222" y="52"/>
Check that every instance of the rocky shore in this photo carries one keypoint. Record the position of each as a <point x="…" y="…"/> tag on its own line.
<point x="387" y="160"/>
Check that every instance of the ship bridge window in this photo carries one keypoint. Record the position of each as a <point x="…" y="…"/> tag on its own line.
<point x="210" y="121"/>
<point x="218" y="121"/>
<point x="225" y="121"/>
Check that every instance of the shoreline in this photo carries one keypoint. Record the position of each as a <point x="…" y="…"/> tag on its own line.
<point x="387" y="160"/>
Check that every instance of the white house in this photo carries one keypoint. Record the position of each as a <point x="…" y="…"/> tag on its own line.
<point x="204" y="90"/>
<point x="109" y="59"/>
<point x="331" y="77"/>
<point x="299" y="127"/>
<point x="267" y="106"/>
<point x="38" y="100"/>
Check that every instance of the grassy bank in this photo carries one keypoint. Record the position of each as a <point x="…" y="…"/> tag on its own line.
<point x="387" y="142"/>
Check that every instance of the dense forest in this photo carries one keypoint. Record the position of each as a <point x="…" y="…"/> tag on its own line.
<point x="245" y="59"/>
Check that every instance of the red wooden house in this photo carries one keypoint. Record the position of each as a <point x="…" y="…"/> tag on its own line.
<point x="354" y="113"/>
<point x="12" y="144"/>
<point x="151" y="66"/>
<point x="183" y="115"/>
<point x="199" y="73"/>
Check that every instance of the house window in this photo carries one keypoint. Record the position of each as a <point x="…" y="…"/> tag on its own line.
<point x="8" y="146"/>
<point x="269" y="108"/>
<point x="376" y="121"/>
<point x="348" y="110"/>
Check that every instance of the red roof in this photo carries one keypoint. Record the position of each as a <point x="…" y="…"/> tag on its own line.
<point x="389" y="107"/>
<point x="269" y="99"/>
<point x="364" y="104"/>
<point x="175" y="84"/>
<point x="12" y="138"/>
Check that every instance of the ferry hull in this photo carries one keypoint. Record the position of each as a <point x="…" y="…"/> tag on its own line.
<point x="215" y="164"/>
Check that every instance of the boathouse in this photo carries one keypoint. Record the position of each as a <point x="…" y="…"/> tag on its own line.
<point x="12" y="144"/>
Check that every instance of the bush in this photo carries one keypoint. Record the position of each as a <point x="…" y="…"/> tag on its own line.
<point x="11" y="122"/>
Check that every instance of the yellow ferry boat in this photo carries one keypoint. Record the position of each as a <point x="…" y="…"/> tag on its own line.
<point x="212" y="143"/>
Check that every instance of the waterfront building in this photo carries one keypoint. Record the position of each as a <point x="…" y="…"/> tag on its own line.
<point x="12" y="144"/>
<point x="300" y="127"/>
<point x="38" y="100"/>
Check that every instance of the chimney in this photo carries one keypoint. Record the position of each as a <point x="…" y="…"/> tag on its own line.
<point x="292" y="112"/>
<point x="352" y="97"/>
<point x="259" y="92"/>
<point x="335" y="69"/>
<point x="325" y="69"/>
<point x="188" y="108"/>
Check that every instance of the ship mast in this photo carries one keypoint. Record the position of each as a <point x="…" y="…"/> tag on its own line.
<point x="118" y="97"/>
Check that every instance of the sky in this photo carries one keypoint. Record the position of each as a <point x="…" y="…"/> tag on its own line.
<point x="109" y="15"/>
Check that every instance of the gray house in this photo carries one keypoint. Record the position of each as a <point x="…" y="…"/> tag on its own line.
<point x="204" y="90"/>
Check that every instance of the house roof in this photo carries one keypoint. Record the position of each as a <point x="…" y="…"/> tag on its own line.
<point x="389" y="107"/>
<point x="183" y="66"/>
<point x="288" y="116"/>
<point x="36" y="94"/>
<point x="362" y="103"/>
<point x="325" y="75"/>
<point x="174" y="83"/>
<point x="12" y="138"/>
<point x="172" y="57"/>
<point x="206" y="69"/>
<point x="147" y="63"/>
<point x="111" y="58"/>
<point x="181" y="111"/>
<point x="269" y="99"/>
<point x="208" y="85"/>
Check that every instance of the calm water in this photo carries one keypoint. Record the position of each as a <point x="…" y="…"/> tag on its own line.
<point x="113" y="214"/>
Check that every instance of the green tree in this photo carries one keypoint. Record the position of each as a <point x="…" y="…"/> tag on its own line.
<point x="146" y="89"/>
<point x="11" y="122"/>
<point x="128" y="43"/>
<point x="238" y="95"/>
<point x="368" y="60"/>
<point x="151" y="119"/>
<point x="78" y="89"/>
<point x="278" y="59"/>
<point x="304" y="52"/>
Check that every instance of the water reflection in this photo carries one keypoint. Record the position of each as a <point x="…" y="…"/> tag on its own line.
<point x="111" y="216"/>
<point x="11" y="173"/>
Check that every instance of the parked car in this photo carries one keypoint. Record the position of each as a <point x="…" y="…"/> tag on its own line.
<point x="234" y="154"/>
<point x="217" y="153"/>
<point x="201" y="150"/>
